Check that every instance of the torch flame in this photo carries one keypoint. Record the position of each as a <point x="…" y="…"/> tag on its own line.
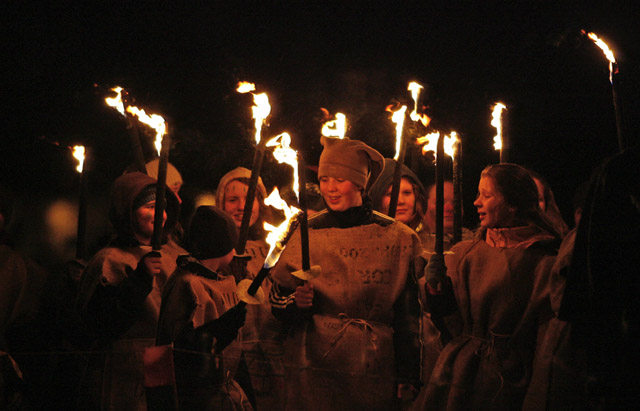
<point x="260" y="110"/>
<point x="335" y="128"/>
<point x="116" y="102"/>
<point x="398" y="119"/>
<point x="496" y="121"/>
<point x="415" y="88"/>
<point x="154" y="121"/>
<point x="245" y="87"/>
<point x="430" y="143"/>
<point x="277" y="234"/>
<point x="607" y="52"/>
<point x="285" y="154"/>
<point x="78" y="153"/>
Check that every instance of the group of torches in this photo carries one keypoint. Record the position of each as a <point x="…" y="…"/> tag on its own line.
<point x="435" y="142"/>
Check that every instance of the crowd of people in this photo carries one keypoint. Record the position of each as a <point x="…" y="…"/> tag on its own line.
<point x="523" y="313"/>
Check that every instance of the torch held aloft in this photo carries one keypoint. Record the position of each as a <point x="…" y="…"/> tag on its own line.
<point x="243" y="235"/>
<point x="161" y="188"/>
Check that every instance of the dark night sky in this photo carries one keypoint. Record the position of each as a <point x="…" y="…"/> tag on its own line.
<point x="354" y="56"/>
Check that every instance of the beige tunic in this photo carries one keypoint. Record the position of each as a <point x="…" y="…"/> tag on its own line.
<point x="204" y="381"/>
<point x="343" y="358"/>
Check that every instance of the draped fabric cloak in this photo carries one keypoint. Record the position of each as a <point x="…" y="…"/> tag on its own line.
<point x="204" y="380"/>
<point x="123" y="312"/>
<point x="502" y="299"/>
<point x="342" y="356"/>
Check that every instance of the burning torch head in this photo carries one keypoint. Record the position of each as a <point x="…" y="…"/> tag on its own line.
<point x="212" y="233"/>
<point x="350" y="159"/>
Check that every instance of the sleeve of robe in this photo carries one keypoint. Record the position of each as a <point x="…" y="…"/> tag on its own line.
<point x="113" y="293"/>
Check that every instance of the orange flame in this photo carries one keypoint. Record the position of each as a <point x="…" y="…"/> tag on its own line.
<point x="285" y="154"/>
<point x="116" y="102"/>
<point x="260" y="110"/>
<point x="154" y="121"/>
<point x="398" y="118"/>
<point x="335" y="128"/>
<point x="277" y="234"/>
<point x="78" y="153"/>
<point x="496" y="121"/>
<point x="430" y="143"/>
<point x="245" y="87"/>
<point x="606" y="50"/>
<point x="415" y="88"/>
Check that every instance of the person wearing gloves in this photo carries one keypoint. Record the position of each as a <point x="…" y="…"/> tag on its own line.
<point x="494" y="298"/>
<point x="200" y="316"/>
<point x="353" y="341"/>
<point x="120" y="292"/>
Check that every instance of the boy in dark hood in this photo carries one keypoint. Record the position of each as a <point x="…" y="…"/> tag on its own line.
<point x="121" y="287"/>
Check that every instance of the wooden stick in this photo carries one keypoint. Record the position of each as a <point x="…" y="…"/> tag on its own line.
<point x="161" y="188"/>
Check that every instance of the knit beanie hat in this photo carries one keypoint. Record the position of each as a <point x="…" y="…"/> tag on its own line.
<point x="146" y="195"/>
<point x="212" y="233"/>
<point x="352" y="160"/>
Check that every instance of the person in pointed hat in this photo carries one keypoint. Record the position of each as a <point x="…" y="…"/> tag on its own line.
<point x="353" y="338"/>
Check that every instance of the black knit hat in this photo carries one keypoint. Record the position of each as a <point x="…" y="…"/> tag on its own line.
<point x="146" y="195"/>
<point x="212" y="233"/>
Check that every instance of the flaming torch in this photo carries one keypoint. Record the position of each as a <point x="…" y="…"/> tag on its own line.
<point x="260" y="111"/>
<point x="335" y="128"/>
<point x="441" y="145"/>
<point x="79" y="154"/>
<point x="457" y="189"/>
<point x="614" y="80"/>
<point x="397" y="117"/>
<point x="249" y="291"/>
<point x="285" y="154"/>
<point x="163" y="144"/>
<point x="499" y="141"/>
<point x="118" y="102"/>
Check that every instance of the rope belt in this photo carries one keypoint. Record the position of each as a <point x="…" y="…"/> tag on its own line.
<point x="346" y="322"/>
<point x="486" y="349"/>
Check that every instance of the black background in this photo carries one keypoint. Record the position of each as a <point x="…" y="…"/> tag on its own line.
<point x="356" y="57"/>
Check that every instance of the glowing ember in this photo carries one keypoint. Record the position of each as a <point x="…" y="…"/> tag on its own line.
<point x="496" y="121"/>
<point x="116" y="102"/>
<point x="277" y="234"/>
<point x="415" y="88"/>
<point x="335" y="128"/>
<point x="285" y="154"/>
<point x="245" y="87"/>
<point x="398" y="119"/>
<point x="430" y="143"/>
<point x="154" y="121"/>
<point x="78" y="153"/>
<point x="607" y="52"/>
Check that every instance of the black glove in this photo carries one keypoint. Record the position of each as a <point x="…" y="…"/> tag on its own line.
<point x="435" y="271"/>
<point x="224" y="329"/>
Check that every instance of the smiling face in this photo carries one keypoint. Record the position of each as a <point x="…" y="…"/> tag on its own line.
<point x="430" y="216"/>
<point x="340" y="194"/>
<point x="144" y="217"/>
<point x="493" y="211"/>
<point x="406" y="202"/>
<point x="235" y="196"/>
